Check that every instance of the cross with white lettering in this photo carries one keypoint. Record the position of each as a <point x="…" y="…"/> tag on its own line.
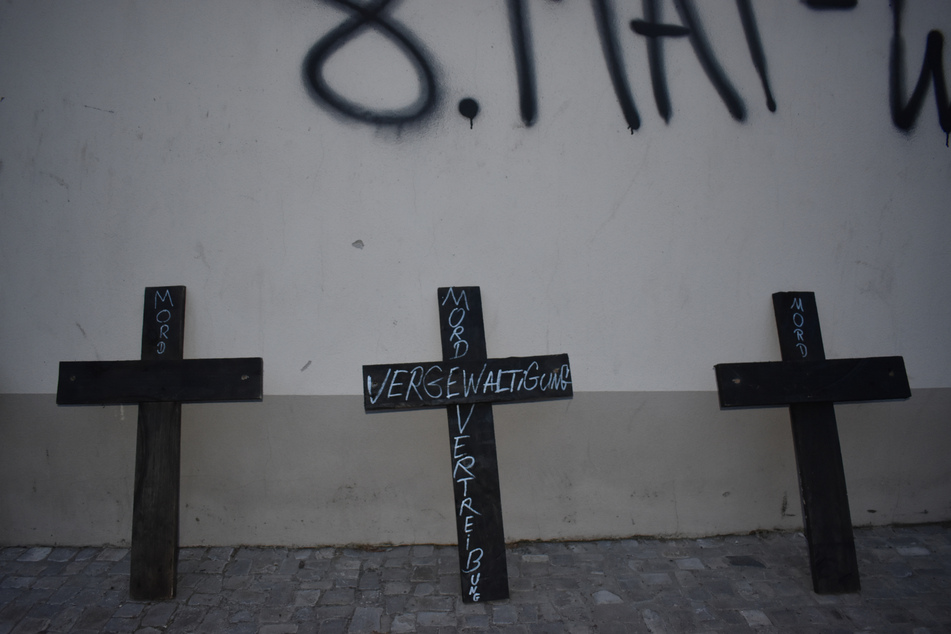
<point x="810" y="384"/>
<point x="159" y="383"/>
<point x="467" y="383"/>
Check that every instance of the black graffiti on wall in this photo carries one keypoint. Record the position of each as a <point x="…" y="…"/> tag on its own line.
<point x="524" y="61"/>
<point x="905" y="114"/>
<point x="654" y="30"/>
<point x="373" y="14"/>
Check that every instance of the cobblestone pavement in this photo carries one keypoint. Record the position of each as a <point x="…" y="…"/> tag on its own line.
<point x="724" y="584"/>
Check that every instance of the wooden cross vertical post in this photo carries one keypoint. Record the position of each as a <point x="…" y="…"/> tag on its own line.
<point x="159" y="383"/>
<point x="809" y="384"/>
<point x="155" y="508"/>
<point x="467" y="382"/>
<point x="480" y="534"/>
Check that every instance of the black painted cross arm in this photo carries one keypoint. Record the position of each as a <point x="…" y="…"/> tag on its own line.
<point x="154" y="381"/>
<point x="455" y="382"/>
<point x="772" y="383"/>
<point x="466" y="382"/>
<point x="160" y="382"/>
<point x="810" y="385"/>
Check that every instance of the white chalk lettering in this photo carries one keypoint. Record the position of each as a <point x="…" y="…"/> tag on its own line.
<point x="460" y="345"/>
<point x="474" y="587"/>
<point x="374" y="399"/>
<point x="162" y="317"/>
<point x="465" y="463"/>
<point x="564" y="374"/>
<point x="798" y="320"/>
<point x="462" y="426"/>
<point x="457" y="445"/>
<point x="166" y="298"/>
<point x="528" y="382"/>
<point x="427" y="382"/>
<point x="451" y="294"/>
<point x="461" y="475"/>
<point x="467" y="505"/>
<point x="415" y="378"/>
<point x="471" y="385"/>
<point x="489" y="383"/>
<point x="450" y="382"/>
<point x="435" y="382"/>
<point x="474" y="561"/>
<point x="394" y="383"/>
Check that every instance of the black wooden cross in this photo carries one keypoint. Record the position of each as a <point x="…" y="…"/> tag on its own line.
<point x="466" y="382"/>
<point x="159" y="383"/>
<point x="810" y="384"/>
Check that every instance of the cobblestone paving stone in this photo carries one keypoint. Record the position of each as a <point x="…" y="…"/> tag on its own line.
<point x="756" y="583"/>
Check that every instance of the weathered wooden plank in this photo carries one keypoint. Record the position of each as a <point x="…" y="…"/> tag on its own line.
<point x="466" y="382"/>
<point x="181" y="380"/>
<point x="773" y="383"/>
<point x="826" y="518"/>
<point x="823" y="494"/>
<point x="810" y="384"/>
<point x="153" y="557"/>
<point x="159" y="382"/>
<point x="480" y="534"/>
<point x="155" y="510"/>
<point x="462" y="381"/>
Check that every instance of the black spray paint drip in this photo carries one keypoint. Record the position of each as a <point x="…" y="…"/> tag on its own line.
<point x="469" y="108"/>
<point x="611" y="49"/>
<point x="524" y="61"/>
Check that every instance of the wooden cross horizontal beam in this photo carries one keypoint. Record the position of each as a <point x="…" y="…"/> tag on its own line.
<point x="438" y="384"/>
<point x="775" y="383"/>
<point x="157" y="380"/>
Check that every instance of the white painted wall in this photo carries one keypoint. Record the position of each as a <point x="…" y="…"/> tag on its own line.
<point x="176" y="143"/>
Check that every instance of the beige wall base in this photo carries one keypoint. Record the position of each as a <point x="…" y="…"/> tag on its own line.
<point x="317" y="470"/>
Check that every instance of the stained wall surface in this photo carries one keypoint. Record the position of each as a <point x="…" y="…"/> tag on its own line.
<point x="312" y="171"/>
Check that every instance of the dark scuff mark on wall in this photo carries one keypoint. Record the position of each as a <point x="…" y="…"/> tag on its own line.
<point x="370" y="15"/>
